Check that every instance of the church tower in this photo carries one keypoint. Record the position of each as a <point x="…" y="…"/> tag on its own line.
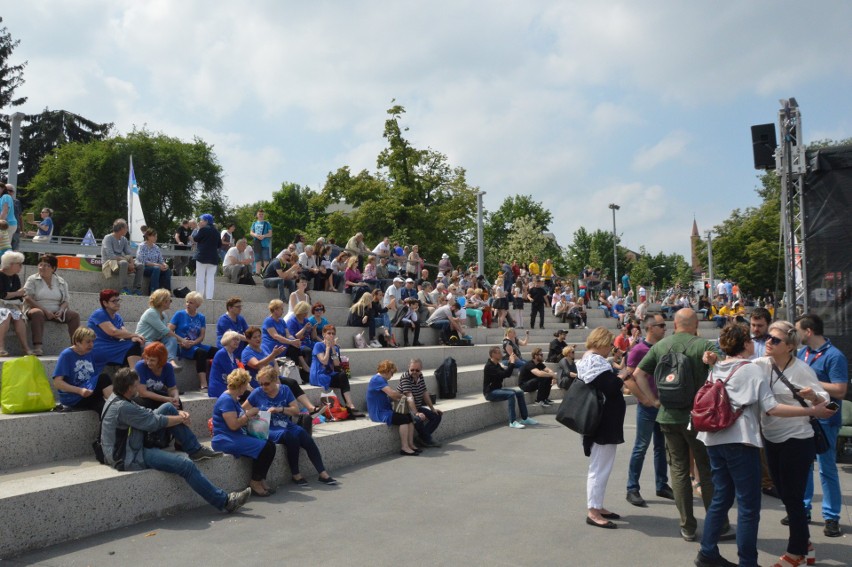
<point x="697" y="269"/>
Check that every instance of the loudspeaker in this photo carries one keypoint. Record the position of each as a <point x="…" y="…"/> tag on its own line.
<point x="763" y="144"/>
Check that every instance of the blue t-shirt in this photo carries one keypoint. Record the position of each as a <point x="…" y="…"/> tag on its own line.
<point x="248" y="354"/>
<point x="318" y="325"/>
<point x="294" y="327"/>
<point x="76" y="370"/>
<point x="279" y="422"/>
<point x="224" y="324"/>
<point x="830" y="365"/>
<point x="221" y="366"/>
<point x="321" y="373"/>
<point x="224" y="404"/>
<point x="156" y="384"/>
<point x="378" y="403"/>
<point x="45" y="231"/>
<point x="10" y="216"/>
<point x="262" y="227"/>
<point x="189" y="327"/>
<point x="280" y="326"/>
<point x="99" y="316"/>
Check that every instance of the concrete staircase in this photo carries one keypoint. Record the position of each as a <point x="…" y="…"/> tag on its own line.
<point x="52" y="489"/>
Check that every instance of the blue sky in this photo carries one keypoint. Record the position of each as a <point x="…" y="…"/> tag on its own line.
<point x="577" y="103"/>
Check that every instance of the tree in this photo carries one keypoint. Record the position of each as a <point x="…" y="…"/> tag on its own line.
<point x="289" y="212"/>
<point x="596" y="250"/>
<point x="11" y="76"/>
<point x="415" y="197"/>
<point x="86" y="183"/>
<point x="524" y="240"/>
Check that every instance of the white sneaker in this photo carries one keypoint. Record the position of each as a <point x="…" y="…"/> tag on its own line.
<point x="516" y="425"/>
<point x="375" y="344"/>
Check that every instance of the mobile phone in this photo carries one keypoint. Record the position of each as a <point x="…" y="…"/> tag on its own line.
<point x="833" y="406"/>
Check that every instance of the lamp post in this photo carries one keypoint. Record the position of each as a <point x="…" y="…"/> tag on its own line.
<point x="614" y="208"/>
<point x="480" y="241"/>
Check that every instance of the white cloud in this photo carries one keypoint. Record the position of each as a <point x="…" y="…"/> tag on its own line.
<point x="667" y="149"/>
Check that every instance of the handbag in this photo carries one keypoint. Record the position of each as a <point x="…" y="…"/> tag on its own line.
<point x="820" y="441"/>
<point x="401" y="406"/>
<point x="581" y="408"/>
<point x="259" y="426"/>
<point x="25" y="387"/>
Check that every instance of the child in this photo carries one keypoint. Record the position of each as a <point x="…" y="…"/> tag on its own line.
<point x="5" y="237"/>
<point x="518" y="306"/>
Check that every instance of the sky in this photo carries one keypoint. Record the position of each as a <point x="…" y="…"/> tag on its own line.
<point x="578" y="104"/>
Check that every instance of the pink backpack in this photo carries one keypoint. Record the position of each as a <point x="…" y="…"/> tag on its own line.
<point x="712" y="410"/>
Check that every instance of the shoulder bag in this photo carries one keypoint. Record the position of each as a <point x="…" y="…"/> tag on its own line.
<point x="820" y="441"/>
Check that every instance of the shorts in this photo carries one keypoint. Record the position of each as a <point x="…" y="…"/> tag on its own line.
<point x="262" y="254"/>
<point x="401" y="419"/>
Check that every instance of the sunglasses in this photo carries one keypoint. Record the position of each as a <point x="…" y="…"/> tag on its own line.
<point x="660" y="325"/>
<point x="774" y="340"/>
<point x="319" y="310"/>
<point x="414" y="371"/>
<point x="264" y="384"/>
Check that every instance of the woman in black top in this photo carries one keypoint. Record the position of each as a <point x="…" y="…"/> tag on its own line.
<point x="596" y="372"/>
<point x="206" y="255"/>
<point x="11" y="300"/>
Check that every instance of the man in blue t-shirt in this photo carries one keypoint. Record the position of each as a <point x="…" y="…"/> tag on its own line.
<point x="261" y="232"/>
<point x="832" y="369"/>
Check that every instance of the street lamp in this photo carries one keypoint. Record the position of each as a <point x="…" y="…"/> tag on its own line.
<point x="710" y="263"/>
<point x="614" y="208"/>
<point x="480" y="242"/>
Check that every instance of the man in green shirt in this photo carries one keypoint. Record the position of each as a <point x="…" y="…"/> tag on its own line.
<point x="675" y="422"/>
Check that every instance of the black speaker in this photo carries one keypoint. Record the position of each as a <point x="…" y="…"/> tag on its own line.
<point x="763" y="144"/>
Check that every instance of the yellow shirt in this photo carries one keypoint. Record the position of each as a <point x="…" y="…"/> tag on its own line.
<point x="547" y="270"/>
<point x="534" y="269"/>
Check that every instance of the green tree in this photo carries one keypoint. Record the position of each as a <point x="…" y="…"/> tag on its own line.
<point x="415" y="197"/>
<point x="86" y="183"/>
<point x="11" y="76"/>
<point x="524" y="240"/>
<point x="593" y="249"/>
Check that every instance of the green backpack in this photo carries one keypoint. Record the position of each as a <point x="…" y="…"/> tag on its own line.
<point x="675" y="378"/>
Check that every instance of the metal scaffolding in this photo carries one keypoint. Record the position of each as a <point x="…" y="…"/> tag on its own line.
<point x="791" y="167"/>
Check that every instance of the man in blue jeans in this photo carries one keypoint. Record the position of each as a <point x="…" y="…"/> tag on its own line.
<point x="124" y="427"/>
<point x="646" y="420"/>
<point x="492" y="387"/>
<point x="831" y="367"/>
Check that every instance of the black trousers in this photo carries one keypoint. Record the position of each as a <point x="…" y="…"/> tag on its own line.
<point x="539" y="385"/>
<point x="537" y="309"/>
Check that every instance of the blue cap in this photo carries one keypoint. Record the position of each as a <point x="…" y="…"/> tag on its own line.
<point x="207" y="217"/>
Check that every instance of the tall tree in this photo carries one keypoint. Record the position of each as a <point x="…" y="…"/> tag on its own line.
<point x="415" y="197"/>
<point x="11" y="76"/>
<point x="86" y="184"/>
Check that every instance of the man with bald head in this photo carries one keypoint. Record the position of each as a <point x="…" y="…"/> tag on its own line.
<point x="674" y="422"/>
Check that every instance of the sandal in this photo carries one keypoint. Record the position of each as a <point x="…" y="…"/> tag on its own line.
<point x="38" y="351"/>
<point x="787" y="561"/>
<point x="3" y="353"/>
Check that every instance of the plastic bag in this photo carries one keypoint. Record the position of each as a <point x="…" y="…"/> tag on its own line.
<point x="259" y="425"/>
<point x="25" y="387"/>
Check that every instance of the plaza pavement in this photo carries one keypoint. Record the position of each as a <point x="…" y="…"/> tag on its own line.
<point x="499" y="497"/>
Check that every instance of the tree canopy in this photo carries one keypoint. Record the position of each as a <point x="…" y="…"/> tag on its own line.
<point x="11" y="76"/>
<point x="415" y="197"/>
<point x="86" y="183"/>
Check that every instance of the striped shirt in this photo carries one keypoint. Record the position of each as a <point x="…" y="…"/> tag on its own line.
<point x="417" y="387"/>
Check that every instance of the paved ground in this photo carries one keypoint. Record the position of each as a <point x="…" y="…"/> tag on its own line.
<point x="500" y="497"/>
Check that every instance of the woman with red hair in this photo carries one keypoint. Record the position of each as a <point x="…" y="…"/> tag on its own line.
<point x="157" y="384"/>
<point x="113" y="343"/>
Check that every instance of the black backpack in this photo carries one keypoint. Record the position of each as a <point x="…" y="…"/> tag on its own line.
<point x="675" y="378"/>
<point x="447" y="376"/>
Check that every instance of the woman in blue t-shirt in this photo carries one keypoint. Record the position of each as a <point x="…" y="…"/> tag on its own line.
<point x="224" y="362"/>
<point x="379" y="396"/>
<point x="190" y="324"/>
<point x="254" y="359"/>
<point x="232" y="320"/>
<point x="229" y="434"/>
<point x="299" y="327"/>
<point x="276" y="398"/>
<point x="324" y="372"/>
<point x="113" y="343"/>
<point x="75" y="378"/>
<point x="157" y="383"/>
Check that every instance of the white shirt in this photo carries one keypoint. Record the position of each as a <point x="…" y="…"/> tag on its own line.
<point x="721" y="289"/>
<point x="799" y="374"/>
<point x="383" y="249"/>
<point x="392" y="291"/>
<point x="233" y="256"/>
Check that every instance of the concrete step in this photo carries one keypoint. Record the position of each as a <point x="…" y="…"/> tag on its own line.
<point x="53" y="494"/>
<point x="66" y="435"/>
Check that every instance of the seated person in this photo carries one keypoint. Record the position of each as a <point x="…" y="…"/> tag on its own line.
<point x="230" y="436"/>
<point x="149" y="259"/>
<point x="117" y="257"/>
<point x="123" y="415"/>
<point x="276" y="398"/>
<point x="282" y="272"/>
<point x="238" y="262"/>
<point x="493" y="375"/>
<point x="512" y="346"/>
<point x="157" y="384"/>
<point x="325" y="368"/>
<point x="536" y="377"/>
<point x="152" y="325"/>
<point x="74" y="376"/>
<point x="47" y="298"/>
<point x="317" y="318"/>
<point x="554" y="351"/>
<point x="12" y="301"/>
<point x="408" y="317"/>
<point x="379" y="397"/>
<point x="232" y="320"/>
<point x="255" y="359"/>
<point x="360" y="315"/>
<point x="445" y="319"/>
<point x="298" y="326"/>
<point x="45" y="227"/>
<point x="225" y="361"/>
<point x="426" y="416"/>
<point x="114" y="344"/>
<point x="191" y="325"/>
<point x="567" y="368"/>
